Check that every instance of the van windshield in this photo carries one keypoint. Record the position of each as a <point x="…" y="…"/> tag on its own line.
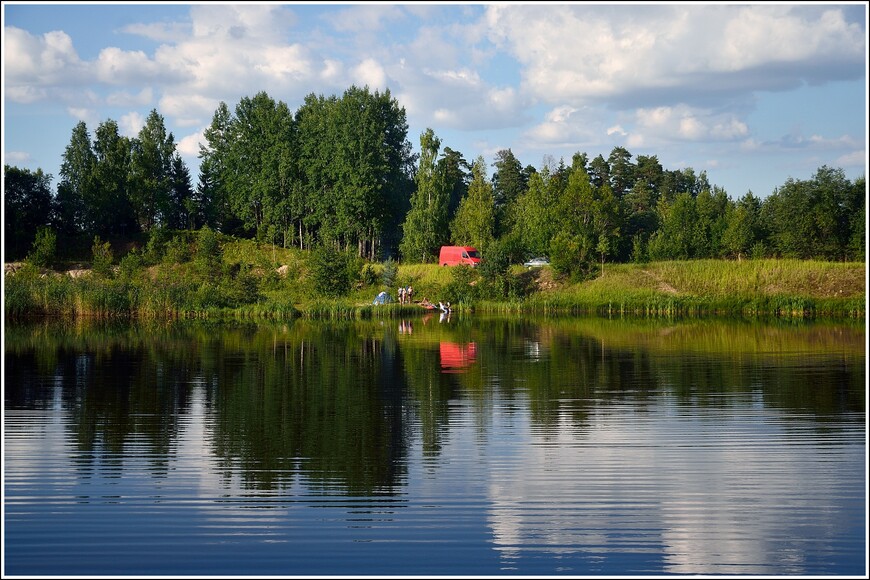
<point x="471" y="254"/>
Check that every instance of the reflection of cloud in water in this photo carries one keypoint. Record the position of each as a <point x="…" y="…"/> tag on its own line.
<point x="720" y="495"/>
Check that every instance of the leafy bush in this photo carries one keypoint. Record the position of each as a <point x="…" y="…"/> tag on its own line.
<point x="391" y="271"/>
<point x="494" y="271"/>
<point x="333" y="271"/>
<point x="462" y="286"/>
<point x="571" y="257"/>
<point x="130" y="266"/>
<point x="242" y="288"/>
<point x="368" y="276"/>
<point x="177" y="251"/>
<point x="156" y="246"/>
<point x="101" y="261"/>
<point x="208" y="257"/>
<point x="44" y="249"/>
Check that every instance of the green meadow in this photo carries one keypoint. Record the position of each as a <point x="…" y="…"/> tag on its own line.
<point x="259" y="281"/>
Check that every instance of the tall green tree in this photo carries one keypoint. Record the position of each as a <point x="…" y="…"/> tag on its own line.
<point x="315" y="150"/>
<point x="814" y="218"/>
<point x="599" y="171"/>
<point x="508" y="182"/>
<point x="474" y="224"/>
<point x="675" y="238"/>
<point x="76" y="180"/>
<point x="426" y="227"/>
<point x="109" y="209"/>
<point x="649" y="171"/>
<point x="354" y="164"/>
<point x="622" y="171"/>
<point x="743" y="227"/>
<point x="211" y="196"/>
<point x="712" y="209"/>
<point x="537" y="216"/>
<point x="857" y="216"/>
<point x="457" y="173"/>
<point x="259" y="138"/>
<point x="181" y="206"/>
<point x="27" y="207"/>
<point x="641" y="220"/>
<point x="151" y="172"/>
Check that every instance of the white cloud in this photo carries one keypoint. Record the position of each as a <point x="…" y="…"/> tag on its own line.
<point x="32" y="63"/>
<point x="370" y="72"/>
<point x="130" y="124"/>
<point x="853" y="159"/>
<point x="126" y="99"/>
<point x="279" y="61"/>
<point x="89" y="116"/>
<point x="445" y="117"/>
<point x="187" y="106"/>
<point x="17" y="158"/>
<point x="160" y="31"/>
<point x="25" y="94"/>
<point x="368" y="18"/>
<point x="119" y="67"/>
<point x="684" y="123"/>
<point x="587" y="53"/>
<point x="564" y="126"/>
<point x="189" y="144"/>
<point x="332" y="70"/>
<point x="617" y="130"/>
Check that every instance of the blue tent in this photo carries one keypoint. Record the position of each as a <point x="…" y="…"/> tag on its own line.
<point x="382" y="298"/>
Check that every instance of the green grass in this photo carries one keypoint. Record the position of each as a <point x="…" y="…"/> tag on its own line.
<point x="753" y="288"/>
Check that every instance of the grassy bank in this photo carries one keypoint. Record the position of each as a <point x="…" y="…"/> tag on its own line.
<point x="792" y="288"/>
<point x="262" y="282"/>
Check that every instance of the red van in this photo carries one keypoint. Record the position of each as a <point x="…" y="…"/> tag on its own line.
<point x="456" y="255"/>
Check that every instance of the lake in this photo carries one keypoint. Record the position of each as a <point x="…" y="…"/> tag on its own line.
<point x="466" y="445"/>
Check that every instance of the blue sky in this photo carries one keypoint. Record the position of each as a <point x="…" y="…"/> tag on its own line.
<point x="753" y="94"/>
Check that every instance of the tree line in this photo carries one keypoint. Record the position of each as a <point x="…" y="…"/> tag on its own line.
<point x="340" y="172"/>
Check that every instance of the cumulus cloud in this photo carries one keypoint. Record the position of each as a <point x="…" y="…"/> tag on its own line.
<point x="583" y="53"/>
<point x="684" y="123"/>
<point x="89" y="116"/>
<point x="188" y="146"/>
<point x="17" y="157"/>
<point x="370" y="72"/>
<point x="119" y="67"/>
<point x="564" y="126"/>
<point x="33" y="63"/>
<point x="126" y="99"/>
<point x="131" y="123"/>
<point x="160" y="31"/>
<point x="25" y="94"/>
<point x="369" y="18"/>
<point x="187" y="108"/>
<point x="853" y="159"/>
<point x="795" y="142"/>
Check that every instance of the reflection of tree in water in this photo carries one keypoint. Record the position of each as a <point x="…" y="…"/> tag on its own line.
<point x="114" y="385"/>
<point x="324" y="403"/>
<point x="337" y="403"/>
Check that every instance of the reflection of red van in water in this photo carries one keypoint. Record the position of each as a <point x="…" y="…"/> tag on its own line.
<point x="456" y="358"/>
<point x="456" y="255"/>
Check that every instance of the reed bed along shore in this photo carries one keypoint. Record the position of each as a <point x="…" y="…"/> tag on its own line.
<point x="748" y="288"/>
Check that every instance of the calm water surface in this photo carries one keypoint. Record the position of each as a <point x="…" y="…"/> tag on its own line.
<point x="465" y="446"/>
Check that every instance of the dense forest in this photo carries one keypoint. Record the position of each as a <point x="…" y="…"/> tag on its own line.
<point x="340" y="172"/>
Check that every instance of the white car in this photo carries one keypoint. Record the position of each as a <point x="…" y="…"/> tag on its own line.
<point x="537" y="263"/>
